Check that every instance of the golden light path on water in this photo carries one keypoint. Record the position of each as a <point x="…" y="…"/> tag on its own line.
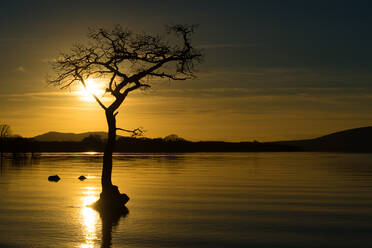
<point x="89" y="217"/>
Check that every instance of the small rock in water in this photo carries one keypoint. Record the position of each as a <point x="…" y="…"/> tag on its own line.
<point x="82" y="178"/>
<point x="54" y="178"/>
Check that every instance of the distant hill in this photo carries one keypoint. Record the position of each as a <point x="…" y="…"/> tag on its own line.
<point x="57" y="136"/>
<point x="351" y="140"/>
<point x="71" y="142"/>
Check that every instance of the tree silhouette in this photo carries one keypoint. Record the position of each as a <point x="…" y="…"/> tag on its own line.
<point x="127" y="62"/>
<point x="4" y="134"/>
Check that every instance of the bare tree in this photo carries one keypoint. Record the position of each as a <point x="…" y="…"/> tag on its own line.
<point x="4" y="134"/>
<point x="127" y="62"/>
<point x="4" y="130"/>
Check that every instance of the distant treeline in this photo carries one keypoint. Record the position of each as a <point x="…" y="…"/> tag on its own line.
<point x="352" y="140"/>
<point x="144" y="145"/>
<point x="18" y="145"/>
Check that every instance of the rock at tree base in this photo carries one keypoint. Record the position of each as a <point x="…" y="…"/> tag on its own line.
<point x="111" y="200"/>
<point x="54" y="178"/>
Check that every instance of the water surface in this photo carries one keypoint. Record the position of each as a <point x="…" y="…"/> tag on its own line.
<point x="190" y="200"/>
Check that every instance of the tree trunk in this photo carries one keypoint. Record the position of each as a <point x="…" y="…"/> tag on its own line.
<point x="111" y="200"/>
<point x="109" y="149"/>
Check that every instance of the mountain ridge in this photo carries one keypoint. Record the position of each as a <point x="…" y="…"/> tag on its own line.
<point x="60" y="136"/>
<point x="349" y="140"/>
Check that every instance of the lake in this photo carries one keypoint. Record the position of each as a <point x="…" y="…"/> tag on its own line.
<point x="190" y="200"/>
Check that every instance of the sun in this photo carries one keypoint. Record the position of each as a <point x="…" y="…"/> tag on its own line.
<point x="93" y="87"/>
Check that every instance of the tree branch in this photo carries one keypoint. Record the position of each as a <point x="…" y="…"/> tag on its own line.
<point x="134" y="87"/>
<point x="135" y="132"/>
<point x="129" y="58"/>
<point x="147" y="71"/>
<point x="166" y="75"/>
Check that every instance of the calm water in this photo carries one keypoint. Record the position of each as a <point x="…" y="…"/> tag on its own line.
<point x="191" y="200"/>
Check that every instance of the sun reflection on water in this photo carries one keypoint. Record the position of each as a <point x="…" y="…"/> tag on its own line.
<point x="89" y="217"/>
<point x="90" y="153"/>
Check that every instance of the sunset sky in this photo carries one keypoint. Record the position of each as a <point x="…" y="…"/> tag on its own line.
<point x="273" y="70"/>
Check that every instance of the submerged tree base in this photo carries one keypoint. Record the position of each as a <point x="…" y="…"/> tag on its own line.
<point x="111" y="201"/>
<point x="111" y="208"/>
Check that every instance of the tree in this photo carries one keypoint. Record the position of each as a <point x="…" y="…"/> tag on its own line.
<point x="4" y="134"/>
<point x="173" y="138"/>
<point x="4" y="130"/>
<point x="127" y="62"/>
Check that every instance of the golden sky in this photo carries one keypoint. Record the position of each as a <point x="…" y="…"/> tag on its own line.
<point x="271" y="71"/>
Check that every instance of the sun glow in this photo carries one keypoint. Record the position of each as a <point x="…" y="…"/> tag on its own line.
<point x="94" y="86"/>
